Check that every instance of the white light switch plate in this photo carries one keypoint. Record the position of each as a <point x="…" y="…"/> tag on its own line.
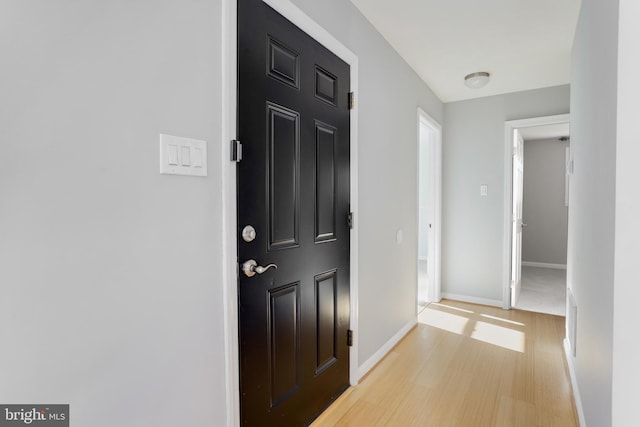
<point x="182" y="156"/>
<point x="484" y="190"/>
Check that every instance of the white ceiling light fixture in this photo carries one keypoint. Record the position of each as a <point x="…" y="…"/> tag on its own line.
<point x="477" y="80"/>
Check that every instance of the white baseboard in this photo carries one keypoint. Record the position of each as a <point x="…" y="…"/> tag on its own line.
<point x="544" y="265"/>
<point x="473" y="300"/>
<point x="382" y="352"/>
<point x="574" y="383"/>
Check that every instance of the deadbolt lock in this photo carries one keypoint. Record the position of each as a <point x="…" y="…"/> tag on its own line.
<point x="248" y="233"/>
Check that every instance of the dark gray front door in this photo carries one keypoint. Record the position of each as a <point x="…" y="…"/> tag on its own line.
<point x="293" y="189"/>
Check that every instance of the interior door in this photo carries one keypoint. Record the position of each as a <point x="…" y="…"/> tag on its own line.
<point x="293" y="191"/>
<point x="518" y="185"/>
<point x="426" y="214"/>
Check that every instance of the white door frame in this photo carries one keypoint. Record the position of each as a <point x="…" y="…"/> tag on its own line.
<point x="228" y="179"/>
<point x="517" y="147"/>
<point x="509" y="127"/>
<point x="435" y="275"/>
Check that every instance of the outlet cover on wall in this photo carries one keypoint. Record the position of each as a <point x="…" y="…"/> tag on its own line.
<point x="484" y="190"/>
<point x="182" y="156"/>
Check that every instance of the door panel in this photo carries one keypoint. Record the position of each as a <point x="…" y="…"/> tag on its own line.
<point x="326" y="86"/>
<point x="283" y="169"/>
<point x="518" y="194"/>
<point x="326" y="320"/>
<point x="325" y="182"/>
<point x="284" y="342"/>
<point x="284" y="63"/>
<point x="293" y="188"/>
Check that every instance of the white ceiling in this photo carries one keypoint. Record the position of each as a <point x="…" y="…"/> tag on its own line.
<point x="524" y="44"/>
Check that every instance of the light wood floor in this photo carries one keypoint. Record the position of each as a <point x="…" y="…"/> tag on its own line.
<point x="466" y="365"/>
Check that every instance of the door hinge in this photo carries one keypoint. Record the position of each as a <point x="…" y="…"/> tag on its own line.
<point x="349" y="338"/>
<point x="352" y="100"/>
<point x="350" y="220"/>
<point x="236" y="150"/>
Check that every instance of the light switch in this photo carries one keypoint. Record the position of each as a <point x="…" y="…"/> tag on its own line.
<point x="197" y="158"/>
<point x="173" y="154"/>
<point x="182" y="156"/>
<point x="484" y="190"/>
<point x="185" y="155"/>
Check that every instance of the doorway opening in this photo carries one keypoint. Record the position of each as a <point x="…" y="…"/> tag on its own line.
<point x="429" y="211"/>
<point x="536" y="219"/>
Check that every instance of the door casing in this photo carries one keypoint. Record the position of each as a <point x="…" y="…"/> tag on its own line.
<point x="435" y="247"/>
<point x="517" y="188"/>
<point x="228" y="26"/>
<point x="509" y="127"/>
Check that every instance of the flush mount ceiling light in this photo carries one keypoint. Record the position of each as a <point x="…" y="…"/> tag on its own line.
<point x="476" y="80"/>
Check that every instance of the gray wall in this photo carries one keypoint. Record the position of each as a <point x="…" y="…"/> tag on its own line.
<point x="390" y="93"/>
<point x="111" y="273"/>
<point x="474" y="154"/>
<point x="604" y="234"/>
<point x="544" y="239"/>
<point x="590" y="273"/>
<point x="626" y="317"/>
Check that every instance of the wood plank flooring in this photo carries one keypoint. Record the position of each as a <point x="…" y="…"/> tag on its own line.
<point x="466" y="365"/>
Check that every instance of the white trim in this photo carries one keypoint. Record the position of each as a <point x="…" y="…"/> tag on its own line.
<point x="574" y="383"/>
<point x="544" y="265"/>
<point x="472" y="300"/>
<point x="386" y="348"/>
<point x="228" y="183"/>
<point x="567" y="174"/>
<point x="435" y="286"/>
<point x="509" y="127"/>
<point x="228" y="177"/>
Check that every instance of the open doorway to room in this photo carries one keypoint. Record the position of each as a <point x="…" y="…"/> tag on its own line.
<point x="429" y="200"/>
<point x="538" y="217"/>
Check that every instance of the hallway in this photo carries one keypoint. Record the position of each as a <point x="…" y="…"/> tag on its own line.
<point x="544" y="290"/>
<point x="462" y="365"/>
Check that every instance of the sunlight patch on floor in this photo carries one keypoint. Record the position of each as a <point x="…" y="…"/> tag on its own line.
<point x="450" y="307"/>
<point x="445" y="321"/>
<point x="468" y="323"/>
<point x="502" y="320"/>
